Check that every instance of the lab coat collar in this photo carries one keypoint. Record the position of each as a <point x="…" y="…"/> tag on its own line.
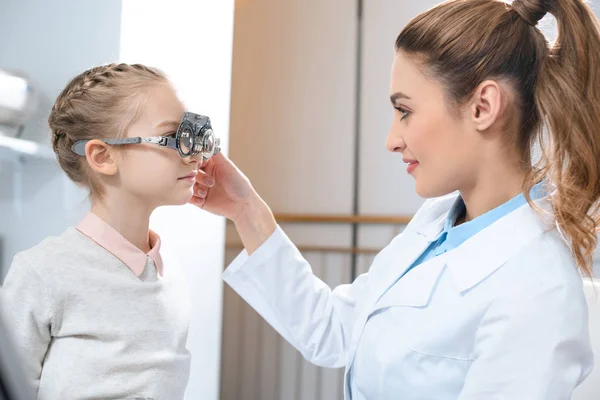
<point x="469" y="264"/>
<point x="415" y="292"/>
<point x="485" y="252"/>
<point x="413" y="244"/>
<point x="431" y="231"/>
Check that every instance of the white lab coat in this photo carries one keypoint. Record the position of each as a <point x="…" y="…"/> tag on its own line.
<point x="502" y="316"/>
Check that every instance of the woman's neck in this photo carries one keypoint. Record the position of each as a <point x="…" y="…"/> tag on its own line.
<point x="491" y="190"/>
<point x="130" y="220"/>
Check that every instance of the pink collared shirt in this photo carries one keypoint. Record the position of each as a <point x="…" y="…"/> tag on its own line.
<point x="106" y="236"/>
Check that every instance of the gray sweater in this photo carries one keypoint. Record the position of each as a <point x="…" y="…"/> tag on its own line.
<point x="90" y="328"/>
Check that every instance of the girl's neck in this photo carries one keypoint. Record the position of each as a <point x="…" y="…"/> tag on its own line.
<point x="131" y="221"/>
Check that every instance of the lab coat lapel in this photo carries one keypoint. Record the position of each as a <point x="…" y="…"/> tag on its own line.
<point x="409" y="249"/>
<point x="412" y="244"/>
<point x="496" y="244"/>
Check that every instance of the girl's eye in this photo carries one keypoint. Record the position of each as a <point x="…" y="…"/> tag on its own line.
<point x="170" y="135"/>
<point x="403" y="113"/>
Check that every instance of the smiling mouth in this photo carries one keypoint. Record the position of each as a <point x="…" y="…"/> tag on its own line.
<point x="411" y="166"/>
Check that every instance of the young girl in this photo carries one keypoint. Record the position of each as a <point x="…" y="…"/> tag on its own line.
<point x="481" y="296"/>
<point x="98" y="315"/>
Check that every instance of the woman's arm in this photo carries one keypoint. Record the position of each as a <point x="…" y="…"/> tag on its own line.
<point x="255" y="223"/>
<point x="279" y="284"/>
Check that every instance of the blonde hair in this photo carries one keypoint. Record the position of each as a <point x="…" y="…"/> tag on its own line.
<point x="557" y="91"/>
<point x="99" y="103"/>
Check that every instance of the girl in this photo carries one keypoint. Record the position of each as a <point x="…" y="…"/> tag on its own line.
<point x="98" y="315"/>
<point x="481" y="296"/>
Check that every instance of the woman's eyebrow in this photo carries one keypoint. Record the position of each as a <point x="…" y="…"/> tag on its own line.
<point x="398" y="95"/>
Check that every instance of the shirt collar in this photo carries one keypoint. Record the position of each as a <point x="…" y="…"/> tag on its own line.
<point x="106" y="236"/>
<point x="490" y="248"/>
<point x="456" y="235"/>
<point x="509" y="227"/>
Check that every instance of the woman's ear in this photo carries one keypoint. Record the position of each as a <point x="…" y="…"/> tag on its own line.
<point x="487" y="105"/>
<point x="100" y="157"/>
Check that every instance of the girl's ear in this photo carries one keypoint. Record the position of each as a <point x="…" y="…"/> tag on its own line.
<point x="100" y="157"/>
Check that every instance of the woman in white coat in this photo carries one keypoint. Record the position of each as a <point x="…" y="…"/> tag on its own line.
<point x="481" y="296"/>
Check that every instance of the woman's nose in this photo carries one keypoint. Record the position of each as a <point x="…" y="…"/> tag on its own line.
<point x="395" y="142"/>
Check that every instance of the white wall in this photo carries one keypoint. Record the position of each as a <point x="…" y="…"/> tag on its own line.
<point x="51" y="44"/>
<point x="191" y="40"/>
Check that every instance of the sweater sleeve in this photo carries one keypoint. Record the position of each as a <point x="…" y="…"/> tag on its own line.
<point x="25" y="303"/>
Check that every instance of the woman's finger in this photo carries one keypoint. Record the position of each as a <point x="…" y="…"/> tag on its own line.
<point x="205" y="179"/>
<point x="197" y="201"/>
<point x="200" y="190"/>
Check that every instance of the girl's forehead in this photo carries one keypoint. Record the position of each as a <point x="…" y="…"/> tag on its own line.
<point x="162" y="106"/>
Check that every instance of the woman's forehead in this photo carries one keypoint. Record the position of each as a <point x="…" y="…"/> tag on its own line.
<point x="408" y="79"/>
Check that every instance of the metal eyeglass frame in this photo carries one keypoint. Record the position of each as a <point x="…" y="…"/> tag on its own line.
<point x="194" y="132"/>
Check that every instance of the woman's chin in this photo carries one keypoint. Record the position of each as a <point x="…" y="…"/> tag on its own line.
<point x="428" y="190"/>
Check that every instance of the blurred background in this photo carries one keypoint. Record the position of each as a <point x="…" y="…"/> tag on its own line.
<point x="298" y="92"/>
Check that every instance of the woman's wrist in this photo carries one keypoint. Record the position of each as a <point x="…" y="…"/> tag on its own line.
<point x="255" y="223"/>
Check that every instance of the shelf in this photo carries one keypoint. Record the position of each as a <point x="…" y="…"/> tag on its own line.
<point x="25" y="148"/>
<point x="18" y="152"/>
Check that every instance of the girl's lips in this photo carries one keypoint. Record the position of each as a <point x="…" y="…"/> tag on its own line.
<point x="189" y="177"/>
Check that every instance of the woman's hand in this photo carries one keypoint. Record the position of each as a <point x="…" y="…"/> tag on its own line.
<point x="222" y="189"/>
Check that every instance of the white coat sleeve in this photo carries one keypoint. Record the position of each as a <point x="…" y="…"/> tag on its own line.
<point x="280" y="285"/>
<point x="25" y="305"/>
<point x="532" y="346"/>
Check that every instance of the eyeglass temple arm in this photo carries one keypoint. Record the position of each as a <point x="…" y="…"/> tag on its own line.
<point x="79" y="146"/>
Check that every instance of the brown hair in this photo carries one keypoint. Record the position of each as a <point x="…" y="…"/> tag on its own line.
<point x="557" y="91"/>
<point x="99" y="103"/>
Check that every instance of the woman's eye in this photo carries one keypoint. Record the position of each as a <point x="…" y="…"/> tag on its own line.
<point x="403" y="113"/>
<point x="170" y="135"/>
